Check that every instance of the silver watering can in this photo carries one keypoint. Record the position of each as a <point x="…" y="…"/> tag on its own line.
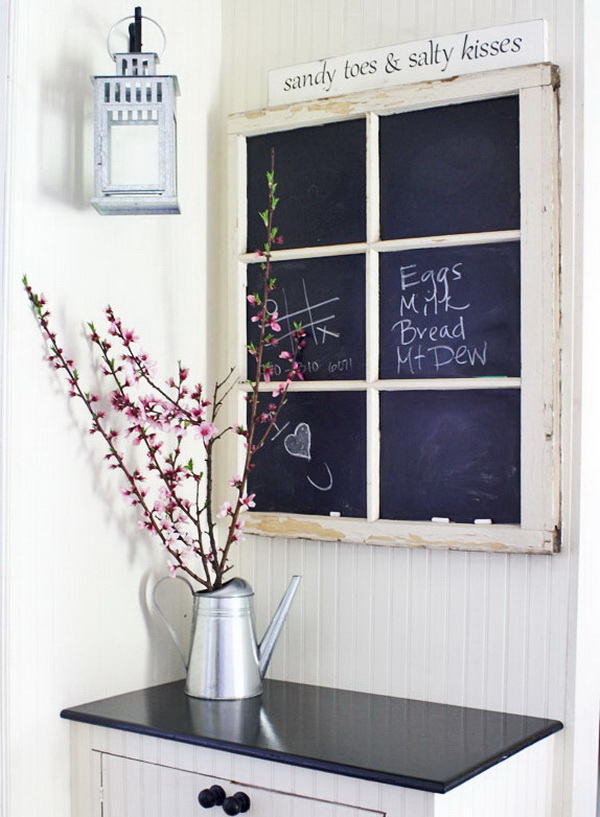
<point x="225" y="661"/>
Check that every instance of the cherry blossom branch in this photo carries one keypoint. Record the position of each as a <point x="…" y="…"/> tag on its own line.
<point x="134" y="493"/>
<point x="160" y="420"/>
<point x="267" y="327"/>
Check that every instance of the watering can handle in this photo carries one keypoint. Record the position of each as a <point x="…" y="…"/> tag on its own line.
<point x="164" y="618"/>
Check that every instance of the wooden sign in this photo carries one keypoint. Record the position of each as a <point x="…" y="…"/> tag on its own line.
<point x="434" y="58"/>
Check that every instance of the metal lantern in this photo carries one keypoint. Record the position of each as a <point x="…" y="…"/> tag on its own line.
<point x="135" y="133"/>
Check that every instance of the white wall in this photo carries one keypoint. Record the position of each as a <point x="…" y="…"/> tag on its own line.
<point x="492" y="630"/>
<point x="76" y="567"/>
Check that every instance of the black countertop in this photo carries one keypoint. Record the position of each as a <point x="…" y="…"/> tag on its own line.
<point x="421" y="745"/>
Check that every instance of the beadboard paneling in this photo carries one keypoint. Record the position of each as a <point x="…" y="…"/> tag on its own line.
<point x="475" y="629"/>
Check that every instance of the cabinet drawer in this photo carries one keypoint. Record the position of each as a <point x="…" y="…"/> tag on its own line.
<point x="134" y="788"/>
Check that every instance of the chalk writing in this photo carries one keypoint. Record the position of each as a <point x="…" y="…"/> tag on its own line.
<point x="314" y="462"/>
<point x="433" y="292"/>
<point x="310" y="316"/>
<point x="325" y="296"/>
<point x="329" y="484"/>
<point x="298" y="444"/>
<point x="450" y="312"/>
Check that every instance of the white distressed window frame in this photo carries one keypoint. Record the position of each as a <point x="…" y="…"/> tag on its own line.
<point x="536" y="86"/>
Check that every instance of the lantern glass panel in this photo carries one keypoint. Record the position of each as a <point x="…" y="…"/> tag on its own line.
<point x="134" y="154"/>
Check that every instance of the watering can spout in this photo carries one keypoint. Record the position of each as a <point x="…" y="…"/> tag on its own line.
<point x="267" y="645"/>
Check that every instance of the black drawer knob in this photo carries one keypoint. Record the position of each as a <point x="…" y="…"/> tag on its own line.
<point x="215" y="796"/>
<point x="238" y="804"/>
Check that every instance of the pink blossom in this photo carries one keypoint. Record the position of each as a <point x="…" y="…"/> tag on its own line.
<point x="129" y="336"/>
<point x="226" y="508"/>
<point x="285" y="355"/>
<point x="128" y="496"/>
<point x="252" y="300"/>
<point x="207" y="430"/>
<point x="248" y="501"/>
<point x="279" y="389"/>
<point x="235" y="481"/>
<point x="273" y="322"/>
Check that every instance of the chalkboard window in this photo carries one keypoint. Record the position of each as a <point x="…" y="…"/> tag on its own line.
<point x="453" y="169"/>
<point x="322" y="184"/>
<point x="458" y="455"/>
<point x="327" y="296"/>
<point x="451" y="312"/>
<point x="420" y="254"/>
<point x="316" y="455"/>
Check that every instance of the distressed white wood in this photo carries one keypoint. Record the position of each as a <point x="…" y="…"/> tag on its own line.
<point x="391" y="245"/>
<point x="393" y="100"/>
<point x="382" y="532"/>
<point x="539" y="264"/>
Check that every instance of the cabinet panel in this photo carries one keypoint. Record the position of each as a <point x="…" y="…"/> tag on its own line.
<point x="133" y="788"/>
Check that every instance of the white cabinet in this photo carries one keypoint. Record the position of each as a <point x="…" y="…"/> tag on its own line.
<point x="134" y="788"/>
<point x="302" y="751"/>
<point x="125" y="774"/>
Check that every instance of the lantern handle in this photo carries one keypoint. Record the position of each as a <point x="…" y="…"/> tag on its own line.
<point x="113" y="54"/>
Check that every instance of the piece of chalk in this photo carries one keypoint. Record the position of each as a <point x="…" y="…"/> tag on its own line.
<point x="482" y="521"/>
<point x="334" y="513"/>
<point x="439" y="519"/>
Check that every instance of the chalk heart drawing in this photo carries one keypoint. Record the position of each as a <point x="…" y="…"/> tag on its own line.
<point x="297" y="444"/>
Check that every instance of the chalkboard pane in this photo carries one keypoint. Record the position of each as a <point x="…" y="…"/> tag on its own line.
<point x="314" y="462"/>
<point x="451" y="454"/>
<point x="325" y="295"/>
<point x="320" y="173"/>
<point x="450" y="312"/>
<point x="453" y="169"/>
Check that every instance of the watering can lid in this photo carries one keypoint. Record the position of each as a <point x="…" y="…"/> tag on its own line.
<point x="235" y="588"/>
